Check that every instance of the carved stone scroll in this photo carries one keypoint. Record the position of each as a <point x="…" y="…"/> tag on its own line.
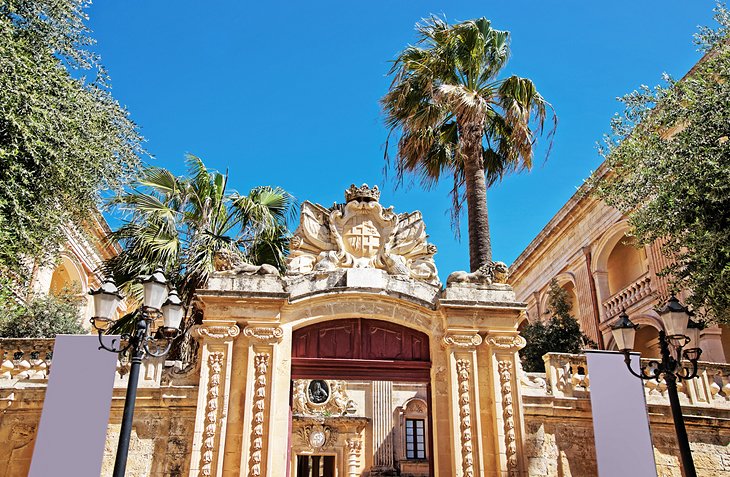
<point x="261" y="365"/>
<point x="215" y="364"/>
<point x="508" y="342"/>
<point x="264" y="334"/>
<point x="463" y="370"/>
<point x="462" y="340"/>
<point x="218" y="332"/>
<point x="510" y="441"/>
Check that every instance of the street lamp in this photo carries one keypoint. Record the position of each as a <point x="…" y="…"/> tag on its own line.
<point x="106" y="300"/>
<point x="681" y="332"/>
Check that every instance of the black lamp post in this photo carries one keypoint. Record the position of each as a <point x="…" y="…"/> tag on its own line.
<point x="106" y="300"/>
<point x="681" y="332"/>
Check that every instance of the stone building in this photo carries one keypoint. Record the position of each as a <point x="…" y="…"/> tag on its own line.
<point x="359" y="362"/>
<point x="77" y="264"/>
<point x="586" y="249"/>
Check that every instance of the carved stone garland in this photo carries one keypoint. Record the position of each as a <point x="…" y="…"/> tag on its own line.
<point x="505" y="381"/>
<point x="215" y="362"/>
<point x="467" y="458"/>
<point x="261" y="364"/>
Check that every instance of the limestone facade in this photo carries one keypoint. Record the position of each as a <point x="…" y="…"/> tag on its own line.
<point x="77" y="264"/>
<point x="585" y="247"/>
<point x="363" y="366"/>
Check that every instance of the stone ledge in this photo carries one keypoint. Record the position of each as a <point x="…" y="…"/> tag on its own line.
<point x="469" y="293"/>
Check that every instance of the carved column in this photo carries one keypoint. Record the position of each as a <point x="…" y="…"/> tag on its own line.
<point x="353" y="457"/>
<point x="216" y="340"/>
<point x="466" y="423"/>
<point x="262" y="358"/>
<point x="503" y="348"/>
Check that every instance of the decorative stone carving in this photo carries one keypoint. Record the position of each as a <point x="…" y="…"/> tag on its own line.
<point x="511" y="343"/>
<point x="264" y="334"/>
<point x="462" y="340"/>
<point x="218" y="332"/>
<point x="463" y="370"/>
<point x="226" y="262"/>
<point x="321" y="398"/>
<point x="316" y="437"/>
<point x="215" y="364"/>
<point x="353" y="453"/>
<point x="510" y="441"/>
<point x="362" y="234"/>
<point x="487" y="274"/>
<point x="261" y="365"/>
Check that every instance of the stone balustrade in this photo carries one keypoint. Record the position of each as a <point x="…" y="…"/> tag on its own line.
<point x="629" y="295"/>
<point x="25" y="358"/>
<point x="29" y="360"/>
<point x="567" y="376"/>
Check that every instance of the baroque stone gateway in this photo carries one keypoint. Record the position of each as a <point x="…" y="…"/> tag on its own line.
<point x="357" y="362"/>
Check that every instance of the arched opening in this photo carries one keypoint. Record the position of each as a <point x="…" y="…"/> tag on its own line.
<point x="573" y="299"/>
<point x="626" y="263"/>
<point x="358" y="376"/>
<point x="66" y="278"/>
<point x="647" y="341"/>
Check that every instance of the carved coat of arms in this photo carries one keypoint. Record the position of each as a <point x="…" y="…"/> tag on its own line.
<point x="362" y="234"/>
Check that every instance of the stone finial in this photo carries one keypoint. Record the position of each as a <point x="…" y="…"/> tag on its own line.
<point x="362" y="193"/>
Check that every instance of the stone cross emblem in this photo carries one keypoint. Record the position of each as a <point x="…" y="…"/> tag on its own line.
<point x="362" y="239"/>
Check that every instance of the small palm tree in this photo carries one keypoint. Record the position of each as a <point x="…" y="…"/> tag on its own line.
<point x="185" y="224"/>
<point x="454" y="116"/>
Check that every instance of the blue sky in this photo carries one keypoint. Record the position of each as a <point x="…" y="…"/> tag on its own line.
<point x="286" y="93"/>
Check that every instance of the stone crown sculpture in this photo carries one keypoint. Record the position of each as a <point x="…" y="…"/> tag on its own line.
<point x="362" y="234"/>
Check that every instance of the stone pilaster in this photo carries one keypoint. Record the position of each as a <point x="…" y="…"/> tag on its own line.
<point x="503" y="348"/>
<point x="216" y="341"/>
<point x="262" y="357"/>
<point x="466" y="423"/>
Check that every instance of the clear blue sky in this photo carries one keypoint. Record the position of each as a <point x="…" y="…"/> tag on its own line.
<point x="286" y="93"/>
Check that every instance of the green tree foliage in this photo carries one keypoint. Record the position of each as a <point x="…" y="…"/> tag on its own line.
<point x="186" y="225"/>
<point x="44" y="317"/>
<point x="453" y="116"/>
<point x="560" y="334"/>
<point x="667" y="167"/>
<point x="63" y="138"/>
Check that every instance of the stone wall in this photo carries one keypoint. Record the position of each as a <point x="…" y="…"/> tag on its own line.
<point x="164" y="418"/>
<point x="559" y="429"/>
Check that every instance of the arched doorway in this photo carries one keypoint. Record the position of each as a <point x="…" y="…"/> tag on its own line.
<point x="372" y="376"/>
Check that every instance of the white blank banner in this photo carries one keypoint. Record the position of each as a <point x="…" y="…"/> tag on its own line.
<point x="72" y="431"/>
<point x="620" y="421"/>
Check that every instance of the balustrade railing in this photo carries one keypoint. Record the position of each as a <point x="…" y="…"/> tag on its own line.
<point x="25" y="358"/>
<point x="568" y="376"/>
<point x="629" y="295"/>
<point x="29" y="359"/>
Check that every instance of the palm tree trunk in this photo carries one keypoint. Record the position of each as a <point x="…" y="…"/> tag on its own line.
<point x="480" y="246"/>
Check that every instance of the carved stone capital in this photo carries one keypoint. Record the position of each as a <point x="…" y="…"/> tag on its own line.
<point x="218" y="331"/>
<point x="506" y="342"/>
<point x="264" y="334"/>
<point x="461" y="340"/>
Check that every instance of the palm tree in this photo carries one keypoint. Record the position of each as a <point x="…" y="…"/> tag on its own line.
<point x="454" y="116"/>
<point x="184" y="224"/>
